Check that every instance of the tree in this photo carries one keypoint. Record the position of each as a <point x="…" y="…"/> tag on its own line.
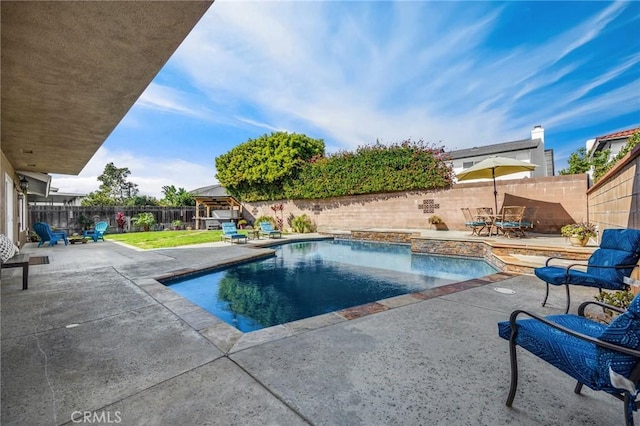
<point x="257" y="169"/>
<point x="579" y="162"/>
<point x="142" y="200"/>
<point x="633" y="141"/>
<point x="176" y="197"/>
<point x="114" y="189"/>
<point x="115" y="184"/>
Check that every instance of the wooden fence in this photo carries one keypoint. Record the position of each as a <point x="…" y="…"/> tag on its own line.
<point x="75" y="219"/>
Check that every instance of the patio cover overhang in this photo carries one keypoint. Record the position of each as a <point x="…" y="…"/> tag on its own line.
<point x="71" y="71"/>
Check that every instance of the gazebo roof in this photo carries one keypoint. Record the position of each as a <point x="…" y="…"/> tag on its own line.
<point x="214" y="197"/>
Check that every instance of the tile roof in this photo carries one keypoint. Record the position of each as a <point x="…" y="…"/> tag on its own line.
<point x="618" y="135"/>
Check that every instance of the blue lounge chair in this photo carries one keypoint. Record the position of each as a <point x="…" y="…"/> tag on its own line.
<point x="266" y="228"/>
<point x="230" y="232"/>
<point x="97" y="233"/>
<point x="605" y="358"/>
<point x="606" y="269"/>
<point x="44" y="232"/>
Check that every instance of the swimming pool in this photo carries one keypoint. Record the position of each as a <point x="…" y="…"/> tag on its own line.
<point x="310" y="278"/>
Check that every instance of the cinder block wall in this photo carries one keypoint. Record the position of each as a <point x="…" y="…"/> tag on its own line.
<point x="614" y="201"/>
<point x="560" y="200"/>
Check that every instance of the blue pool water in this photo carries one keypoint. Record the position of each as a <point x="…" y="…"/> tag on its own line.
<point x="310" y="278"/>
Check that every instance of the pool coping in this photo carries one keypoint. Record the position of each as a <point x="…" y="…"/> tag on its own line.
<point x="230" y="340"/>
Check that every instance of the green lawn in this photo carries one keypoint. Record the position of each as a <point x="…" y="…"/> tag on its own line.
<point x="161" y="239"/>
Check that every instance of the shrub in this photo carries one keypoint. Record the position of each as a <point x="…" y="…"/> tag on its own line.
<point x="378" y="168"/>
<point x="580" y="230"/>
<point x="435" y="220"/>
<point x="303" y="224"/>
<point x="144" y="221"/>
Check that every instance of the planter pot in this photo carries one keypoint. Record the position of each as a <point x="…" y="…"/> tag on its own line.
<point x="578" y="241"/>
<point x="439" y="226"/>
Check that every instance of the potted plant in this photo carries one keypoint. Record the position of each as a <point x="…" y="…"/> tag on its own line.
<point x="437" y="222"/>
<point x="242" y="223"/>
<point x="579" y="233"/>
<point x="177" y="224"/>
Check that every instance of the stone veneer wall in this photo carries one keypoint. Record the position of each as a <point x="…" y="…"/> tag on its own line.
<point x="385" y="237"/>
<point x="560" y="200"/>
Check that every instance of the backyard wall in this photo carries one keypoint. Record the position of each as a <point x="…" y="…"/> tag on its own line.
<point x="560" y="200"/>
<point x="614" y="201"/>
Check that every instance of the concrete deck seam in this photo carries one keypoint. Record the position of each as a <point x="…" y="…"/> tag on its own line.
<point x="275" y="395"/>
<point x="46" y="365"/>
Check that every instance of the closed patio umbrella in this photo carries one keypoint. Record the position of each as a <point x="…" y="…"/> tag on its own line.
<point x="492" y="167"/>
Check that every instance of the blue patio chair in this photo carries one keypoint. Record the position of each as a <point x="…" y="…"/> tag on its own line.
<point x="230" y="232"/>
<point x="605" y="358"/>
<point x="46" y="234"/>
<point x="606" y="269"/>
<point x="97" y="233"/>
<point x="266" y="228"/>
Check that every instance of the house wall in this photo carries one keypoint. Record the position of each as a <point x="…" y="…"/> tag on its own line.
<point x="560" y="200"/>
<point x="6" y="168"/>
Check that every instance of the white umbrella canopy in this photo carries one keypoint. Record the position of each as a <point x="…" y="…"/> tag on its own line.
<point x="492" y="167"/>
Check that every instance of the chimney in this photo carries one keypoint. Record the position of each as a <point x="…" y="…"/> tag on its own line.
<point x="537" y="133"/>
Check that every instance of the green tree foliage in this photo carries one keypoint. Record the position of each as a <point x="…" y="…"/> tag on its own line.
<point x="114" y="189"/>
<point x="580" y="162"/>
<point x="98" y="198"/>
<point x="378" y="168"/>
<point x="258" y="169"/>
<point x="633" y="141"/>
<point x="142" y="200"/>
<point x="176" y="197"/>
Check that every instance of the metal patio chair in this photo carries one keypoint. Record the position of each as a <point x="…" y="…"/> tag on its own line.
<point x="607" y="267"/>
<point x="605" y="358"/>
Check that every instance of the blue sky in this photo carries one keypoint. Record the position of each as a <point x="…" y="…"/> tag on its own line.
<point x="458" y="74"/>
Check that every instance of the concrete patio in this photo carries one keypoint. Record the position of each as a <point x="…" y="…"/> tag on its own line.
<point x="96" y="339"/>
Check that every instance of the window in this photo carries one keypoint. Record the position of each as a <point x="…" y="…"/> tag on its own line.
<point x="467" y="164"/>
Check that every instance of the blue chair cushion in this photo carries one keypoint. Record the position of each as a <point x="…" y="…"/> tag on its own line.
<point x="625" y="331"/>
<point x="556" y="275"/>
<point x="621" y="239"/>
<point x="634" y="306"/>
<point x="475" y="223"/>
<point x="582" y="360"/>
<point x="611" y="257"/>
<point x="578" y="358"/>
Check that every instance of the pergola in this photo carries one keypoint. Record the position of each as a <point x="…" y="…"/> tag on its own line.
<point x="218" y="205"/>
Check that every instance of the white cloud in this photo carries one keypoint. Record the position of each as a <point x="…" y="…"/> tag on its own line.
<point x="164" y="98"/>
<point x="323" y="67"/>
<point x="149" y="173"/>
